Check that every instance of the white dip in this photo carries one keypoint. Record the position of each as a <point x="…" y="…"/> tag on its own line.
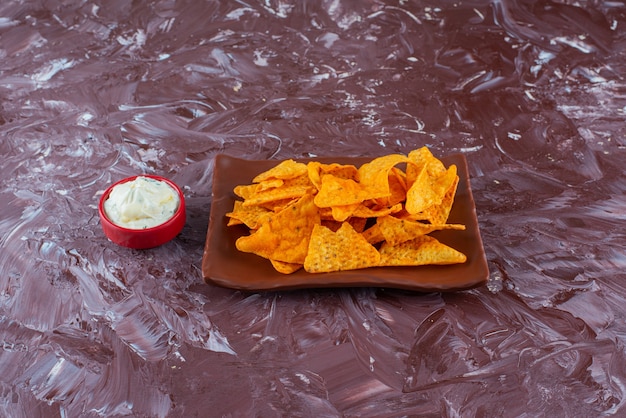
<point x="141" y="203"/>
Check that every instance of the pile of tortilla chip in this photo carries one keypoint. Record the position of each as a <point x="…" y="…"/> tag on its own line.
<point x="333" y="217"/>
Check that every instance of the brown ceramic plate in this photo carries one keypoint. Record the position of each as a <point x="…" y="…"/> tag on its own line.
<point x="226" y="266"/>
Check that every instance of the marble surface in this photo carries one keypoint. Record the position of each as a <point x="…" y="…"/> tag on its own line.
<point x="532" y="92"/>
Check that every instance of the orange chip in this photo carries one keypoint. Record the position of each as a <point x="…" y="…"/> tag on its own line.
<point x="373" y="234"/>
<point x="403" y="214"/>
<point x="427" y="180"/>
<point x="438" y="214"/>
<point x="397" y="193"/>
<point x="419" y="159"/>
<point x="420" y="251"/>
<point x="285" y="235"/>
<point x="285" y="268"/>
<point x="343" y="212"/>
<point x="273" y="195"/>
<point x="443" y="183"/>
<point x="290" y="189"/>
<point x="276" y="205"/>
<point x="315" y="173"/>
<point x="335" y="191"/>
<point x="301" y="180"/>
<point x="363" y="211"/>
<point x="397" y="187"/>
<point x="396" y="231"/>
<point x="421" y="194"/>
<point x="345" y="249"/>
<point x="374" y="176"/>
<point x="316" y="170"/>
<point x="430" y="191"/>
<point x="248" y="215"/>
<point x="286" y="169"/>
<point x="233" y="218"/>
<point x="400" y="176"/>
<point x="245" y="191"/>
<point x="269" y="184"/>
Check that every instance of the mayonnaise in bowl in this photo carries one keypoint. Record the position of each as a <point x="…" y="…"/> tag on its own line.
<point x="141" y="203"/>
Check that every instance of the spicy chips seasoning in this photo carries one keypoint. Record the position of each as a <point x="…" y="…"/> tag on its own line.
<point x="333" y="217"/>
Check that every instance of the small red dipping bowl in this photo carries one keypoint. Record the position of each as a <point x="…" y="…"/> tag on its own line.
<point x="148" y="237"/>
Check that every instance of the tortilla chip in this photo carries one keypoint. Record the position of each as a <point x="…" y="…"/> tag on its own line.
<point x="285" y="268"/>
<point x="245" y="191"/>
<point x="285" y="235"/>
<point x="374" y="176"/>
<point x="335" y="191"/>
<point x="418" y="160"/>
<point x="396" y="231"/>
<point x="286" y="169"/>
<point x="421" y="194"/>
<point x="345" y="249"/>
<point x="438" y="214"/>
<point x="343" y="212"/>
<point x="316" y="170"/>
<point x="429" y="181"/>
<point x="373" y="234"/>
<point x="269" y="184"/>
<point x="363" y="211"/>
<point x="249" y="215"/>
<point x="276" y="205"/>
<point x="290" y="189"/>
<point x="424" y="250"/>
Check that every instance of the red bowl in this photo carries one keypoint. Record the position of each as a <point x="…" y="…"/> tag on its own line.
<point x="148" y="237"/>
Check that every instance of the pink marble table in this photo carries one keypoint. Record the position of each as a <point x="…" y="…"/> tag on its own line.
<point x="531" y="92"/>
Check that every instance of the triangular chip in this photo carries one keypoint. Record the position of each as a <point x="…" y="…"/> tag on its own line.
<point x="286" y="169"/>
<point x="301" y="180"/>
<point x="420" y="251"/>
<point x="438" y="214"/>
<point x="345" y="249"/>
<point x="285" y="235"/>
<point x="245" y="191"/>
<point x="397" y="187"/>
<point x="316" y="170"/>
<point x="269" y="184"/>
<point x="443" y="183"/>
<point x="421" y="194"/>
<point x="343" y="212"/>
<point x="248" y="215"/>
<point x="374" y="176"/>
<point x="363" y="211"/>
<point x="397" y="230"/>
<point x="277" y="205"/>
<point x="373" y="234"/>
<point x="285" y="268"/>
<point x="419" y="159"/>
<point x="289" y="189"/>
<point x="273" y="195"/>
<point x="335" y="191"/>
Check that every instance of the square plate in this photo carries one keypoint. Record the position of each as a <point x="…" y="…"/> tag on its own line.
<point x="225" y="266"/>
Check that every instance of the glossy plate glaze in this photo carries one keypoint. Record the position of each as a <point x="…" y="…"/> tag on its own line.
<point x="225" y="266"/>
